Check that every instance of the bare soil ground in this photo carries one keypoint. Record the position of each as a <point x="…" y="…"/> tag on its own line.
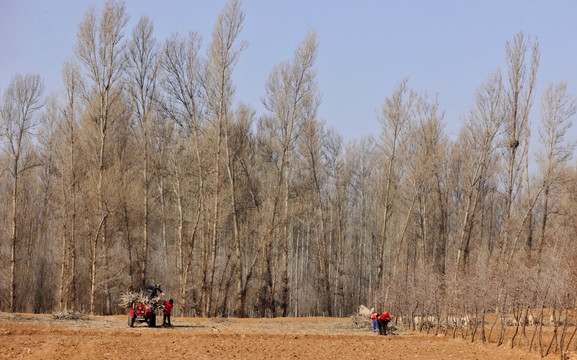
<point x="26" y="336"/>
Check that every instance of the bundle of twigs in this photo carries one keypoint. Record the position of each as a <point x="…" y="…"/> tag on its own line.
<point x="69" y="315"/>
<point x="359" y="322"/>
<point x="157" y="303"/>
<point x="127" y="299"/>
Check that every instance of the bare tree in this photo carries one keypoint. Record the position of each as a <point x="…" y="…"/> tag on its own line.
<point x="311" y="148"/>
<point x="47" y="218"/>
<point x="224" y="53"/>
<point x="69" y="179"/>
<point x="395" y="117"/>
<point x="182" y="82"/>
<point x="20" y="102"/>
<point x="291" y="98"/>
<point x="521" y="77"/>
<point x="425" y="191"/>
<point x="336" y="182"/>
<point x="100" y="49"/>
<point x="143" y="67"/>
<point x="242" y="161"/>
<point x="557" y="110"/>
<point x="478" y="143"/>
<point x="361" y="162"/>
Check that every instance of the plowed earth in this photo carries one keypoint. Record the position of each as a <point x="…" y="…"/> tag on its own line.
<point x="26" y="336"/>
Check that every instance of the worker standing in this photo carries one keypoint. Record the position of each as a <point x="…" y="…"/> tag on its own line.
<point x="167" y="310"/>
<point x="374" y="315"/>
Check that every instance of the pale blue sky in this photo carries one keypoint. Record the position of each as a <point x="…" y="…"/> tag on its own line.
<point x="366" y="47"/>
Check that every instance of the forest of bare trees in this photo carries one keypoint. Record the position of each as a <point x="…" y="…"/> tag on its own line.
<point x="147" y="169"/>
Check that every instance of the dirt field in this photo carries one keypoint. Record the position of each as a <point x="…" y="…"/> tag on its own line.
<point x="26" y="336"/>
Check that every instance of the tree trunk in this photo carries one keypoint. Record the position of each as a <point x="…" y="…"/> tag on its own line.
<point x="13" y="240"/>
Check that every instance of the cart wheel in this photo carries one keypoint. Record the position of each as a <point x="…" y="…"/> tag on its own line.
<point x="152" y="320"/>
<point x="130" y="320"/>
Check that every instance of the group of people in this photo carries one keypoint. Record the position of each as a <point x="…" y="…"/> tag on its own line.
<point x="380" y="321"/>
<point x="154" y="291"/>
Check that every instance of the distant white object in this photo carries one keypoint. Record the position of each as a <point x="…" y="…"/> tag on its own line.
<point x="364" y="311"/>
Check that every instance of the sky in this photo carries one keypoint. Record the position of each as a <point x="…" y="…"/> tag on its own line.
<point x="447" y="48"/>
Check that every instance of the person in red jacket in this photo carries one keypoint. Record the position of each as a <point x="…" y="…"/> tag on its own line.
<point x="167" y="310"/>
<point x="373" y="315"/>
<point x="383" y="321"/>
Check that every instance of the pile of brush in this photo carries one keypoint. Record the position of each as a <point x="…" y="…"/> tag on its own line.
<point x="69" y="315"/>
<point x="157" y="303"/>
<point x="127" y="299"/>
<point x="359" y="322"/>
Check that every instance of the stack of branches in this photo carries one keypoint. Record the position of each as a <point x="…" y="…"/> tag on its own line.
<point x="359" y="322"/>
<point x="157" y="303"/>
<point x="69" y="315"/>
<point x="127" y="299"/>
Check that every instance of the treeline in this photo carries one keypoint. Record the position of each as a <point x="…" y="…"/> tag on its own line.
<point x="146" y="170"/>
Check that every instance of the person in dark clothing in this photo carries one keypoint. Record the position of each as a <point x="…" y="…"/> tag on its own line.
<point x="153" y="291"/>
<point x="167" y="310"/>
<point x="383" y="321"/>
